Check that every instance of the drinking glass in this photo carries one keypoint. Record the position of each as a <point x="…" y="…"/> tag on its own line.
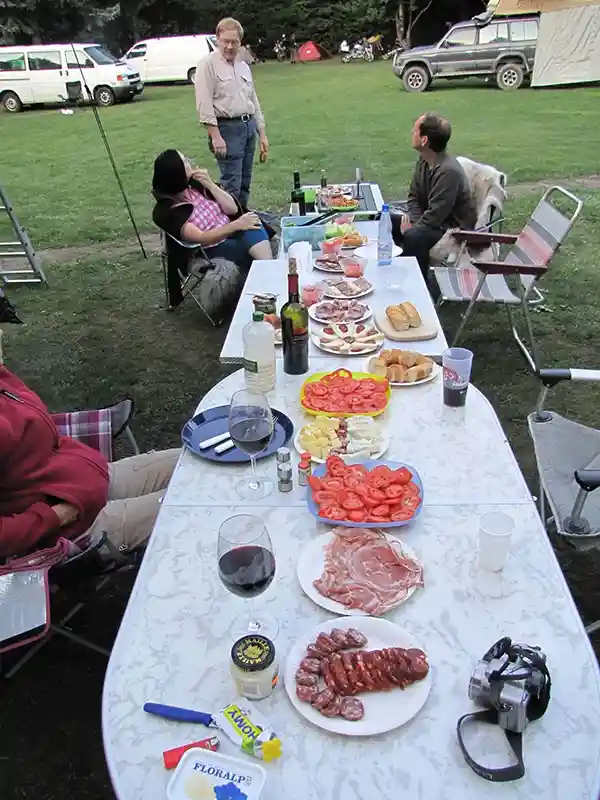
<point x="495" y="534"/>
<point x="251" y="428"/>
<point x="246" y="564"/>
<point x="456" y="363"/>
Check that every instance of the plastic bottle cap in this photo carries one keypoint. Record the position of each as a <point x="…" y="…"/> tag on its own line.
<point x="385" y="207"/>
<point x="258" y="316"/>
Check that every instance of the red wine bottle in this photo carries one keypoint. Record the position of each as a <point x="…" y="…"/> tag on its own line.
<point x="294" y="327"/>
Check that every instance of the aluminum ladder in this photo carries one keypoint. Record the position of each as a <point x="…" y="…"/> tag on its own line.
<point x="21" y="248"/>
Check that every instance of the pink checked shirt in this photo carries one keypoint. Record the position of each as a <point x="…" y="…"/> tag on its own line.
<point x="207" y="214"/>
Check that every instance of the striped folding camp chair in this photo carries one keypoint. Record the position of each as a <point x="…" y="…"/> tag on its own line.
<point x="529" y="257"/>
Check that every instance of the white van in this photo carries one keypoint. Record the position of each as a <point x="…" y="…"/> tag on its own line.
<point x="48" y="73"/>
<point x="171" y="58"/>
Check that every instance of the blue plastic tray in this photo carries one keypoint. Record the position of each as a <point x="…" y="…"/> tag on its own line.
<point x="369" y="464"/>
<point x="214" y="421"/>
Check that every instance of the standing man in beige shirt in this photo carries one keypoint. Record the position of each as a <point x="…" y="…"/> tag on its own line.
<point x="229" y="109"/>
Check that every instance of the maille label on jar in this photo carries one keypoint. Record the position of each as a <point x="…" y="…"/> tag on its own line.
<point x="253" y="653"/>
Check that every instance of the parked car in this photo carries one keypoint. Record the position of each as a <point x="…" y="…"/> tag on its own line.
<point x="48" y="73"/>
<point x="170" y="58"/>
<point x="502" y="49"/>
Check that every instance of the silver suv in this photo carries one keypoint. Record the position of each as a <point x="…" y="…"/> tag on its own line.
<point x="502" y="48"/>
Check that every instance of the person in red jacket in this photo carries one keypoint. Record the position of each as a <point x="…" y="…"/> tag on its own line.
<point x="53" y="485"/>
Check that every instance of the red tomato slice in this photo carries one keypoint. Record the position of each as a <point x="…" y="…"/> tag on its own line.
<point x="370" y="383"/>
<point x="379" y="482"/>
<point x="333" y="512"/>
<point x="362" y="490"/>
<point x="411" y="502"/>
<point x="352" y="481"/>
<point x="357" y="516"/>
<point x="375" y="518"/>
<point x="325" y="497"/>
<point x="358" y="469"/>
<point x="411" y="489"/>
<point x="402" y="476"/>
<point x="316" y="389"/>
<point x="402" y="515"/>
<point x="314" y="483"/>
<point x="336" y="467"/>
<point x="395" y="491"/>
<point x="332" y="484"/>
<point x="351" y="502"/>
<point x="349" y="387"/>
<point x="382" y="510"/>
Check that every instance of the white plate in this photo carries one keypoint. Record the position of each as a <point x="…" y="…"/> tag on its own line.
<point x="364" y="293"/>
<point x="312" y="313"/>
<point x="431" y="377"/>
<point x="368" y="348"/>
<point x="352" y="459"/>
<point x="370" y="251"/>
<point x="310" y="568"/>
<point x="384" y="711"/>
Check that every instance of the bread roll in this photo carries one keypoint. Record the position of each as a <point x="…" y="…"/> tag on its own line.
<point x="378" y="366"/>
<point x="398" y="318"/>
<point x="419" y="372"/>
<point x="409" y="359"/>
<point x="396" y="373"/>
<point x="412" y="314"/>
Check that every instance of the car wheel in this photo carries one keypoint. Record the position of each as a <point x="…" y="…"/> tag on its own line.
<point x="104" y="96"/>
<point x="416" y="79"/>
<point x="192" y="75"/>
<point x="510" y="76"/>
<point x="12" y="103"/>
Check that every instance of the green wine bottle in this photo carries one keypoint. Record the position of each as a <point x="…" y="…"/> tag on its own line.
<point x="294" y="327"/>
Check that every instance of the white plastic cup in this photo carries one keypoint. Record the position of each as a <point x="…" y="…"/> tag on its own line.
<point x="495" y="534"/>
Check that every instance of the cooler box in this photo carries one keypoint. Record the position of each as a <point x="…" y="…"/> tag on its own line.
<point x="291" y="232"/>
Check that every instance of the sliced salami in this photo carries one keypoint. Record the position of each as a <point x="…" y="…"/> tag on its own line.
<point x="323" y="699"/>
<point x="352" y="709"/>
<point x="339" y="673"/>
<point x="326" y="644"/>
<point x="306" y="678"/>
<point x="334" y="708"/>
<point x="356" y="638"/>
<point x="311" y="665"/>
<point x="328" y="676"/>
<point x="340" y="638"/>
<point x="312" y="651"/>
<point x="306" y="693"/>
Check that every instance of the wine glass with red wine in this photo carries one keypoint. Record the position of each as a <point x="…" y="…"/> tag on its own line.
<point x="251" y="428"/>
<point x="247" y="569"/>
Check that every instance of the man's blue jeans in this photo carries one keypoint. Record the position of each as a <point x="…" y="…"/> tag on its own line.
<point x="236" y="166"/>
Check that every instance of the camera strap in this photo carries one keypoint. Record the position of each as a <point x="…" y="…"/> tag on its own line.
<point x="515" y="741"/>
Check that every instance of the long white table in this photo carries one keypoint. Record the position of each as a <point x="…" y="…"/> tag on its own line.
<point x="271" y="276"/>
<point x="173" y="643"/>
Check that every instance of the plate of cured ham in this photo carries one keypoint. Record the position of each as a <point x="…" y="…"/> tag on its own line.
<point x="357" y="571"/>
<point x="328" y="311"/>
<point x="357" y="676"/>
<point x="347" y="288"/>
<point x="349" y="338"/>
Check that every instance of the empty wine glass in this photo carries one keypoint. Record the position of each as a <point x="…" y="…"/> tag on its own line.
<point x="251" y="428"/>
<point x="246" y="569"/>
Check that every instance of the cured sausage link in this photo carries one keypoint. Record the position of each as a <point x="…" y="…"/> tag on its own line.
<point x="374" y="670"/>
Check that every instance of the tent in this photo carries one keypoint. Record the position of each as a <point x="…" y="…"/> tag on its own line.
<point x="568" y="49"/>
<point x="309" y="51"/>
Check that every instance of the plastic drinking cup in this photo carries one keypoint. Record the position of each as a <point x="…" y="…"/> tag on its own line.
<point x="456" y="362"/>
<point x="495" y="534"/>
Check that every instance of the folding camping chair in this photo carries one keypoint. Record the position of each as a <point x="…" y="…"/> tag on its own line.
<point x="80" y="574"/>
<point x="179" y="281"/>
<point x="485" y="279"/>
<point x="568" y="463"/>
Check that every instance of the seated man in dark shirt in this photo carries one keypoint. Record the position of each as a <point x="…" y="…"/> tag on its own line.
<point x="439" y="197"/>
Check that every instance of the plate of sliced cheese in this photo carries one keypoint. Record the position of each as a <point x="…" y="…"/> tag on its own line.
<point x="403" y="367"/>
<point x="354" y="439"/>
<point x="403" y="323"/>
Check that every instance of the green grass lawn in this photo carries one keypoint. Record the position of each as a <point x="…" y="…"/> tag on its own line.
<point x="98" y="331"/>
<point x="320" y="116"/>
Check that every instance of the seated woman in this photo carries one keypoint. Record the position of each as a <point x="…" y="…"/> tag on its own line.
<point x="192" y="208"/>
<point x="53" y="485"/>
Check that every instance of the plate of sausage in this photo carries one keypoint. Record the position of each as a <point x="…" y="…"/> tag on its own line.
<point x="357" y="676"/>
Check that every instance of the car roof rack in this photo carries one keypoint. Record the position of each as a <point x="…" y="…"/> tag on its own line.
<point x="483" y="19"/>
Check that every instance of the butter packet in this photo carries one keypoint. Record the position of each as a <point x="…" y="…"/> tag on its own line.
<point x="248" y="729"/>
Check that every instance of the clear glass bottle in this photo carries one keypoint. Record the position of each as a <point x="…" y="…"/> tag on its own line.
<point x="259" y="353"/>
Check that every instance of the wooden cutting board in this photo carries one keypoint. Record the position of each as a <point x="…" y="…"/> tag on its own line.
<point x="426" y="331"/>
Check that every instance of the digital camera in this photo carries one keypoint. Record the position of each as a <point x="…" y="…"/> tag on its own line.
<point x="514" y="680"/>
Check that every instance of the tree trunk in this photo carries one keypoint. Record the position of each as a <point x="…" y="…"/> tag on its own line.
<point x="412" y="20"/>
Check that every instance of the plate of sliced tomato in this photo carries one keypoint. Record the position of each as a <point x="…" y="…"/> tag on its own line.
<point x="345" y="394"/>
<point x="376" y="493"/>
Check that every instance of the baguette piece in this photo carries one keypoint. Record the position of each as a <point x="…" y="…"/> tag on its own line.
<point x="412" y="314"/>
<point x="419" y="372"/>
<point x="378" y="366"/>
<point x="398" y="318"/>
<point x="397" y="374"/>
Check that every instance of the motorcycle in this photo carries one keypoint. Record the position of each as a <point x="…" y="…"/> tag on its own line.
<point x="360" y="51"/>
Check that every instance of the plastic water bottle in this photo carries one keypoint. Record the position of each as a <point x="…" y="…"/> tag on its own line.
<point x="385" y="242"/>
<point x="259" y="353"/>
